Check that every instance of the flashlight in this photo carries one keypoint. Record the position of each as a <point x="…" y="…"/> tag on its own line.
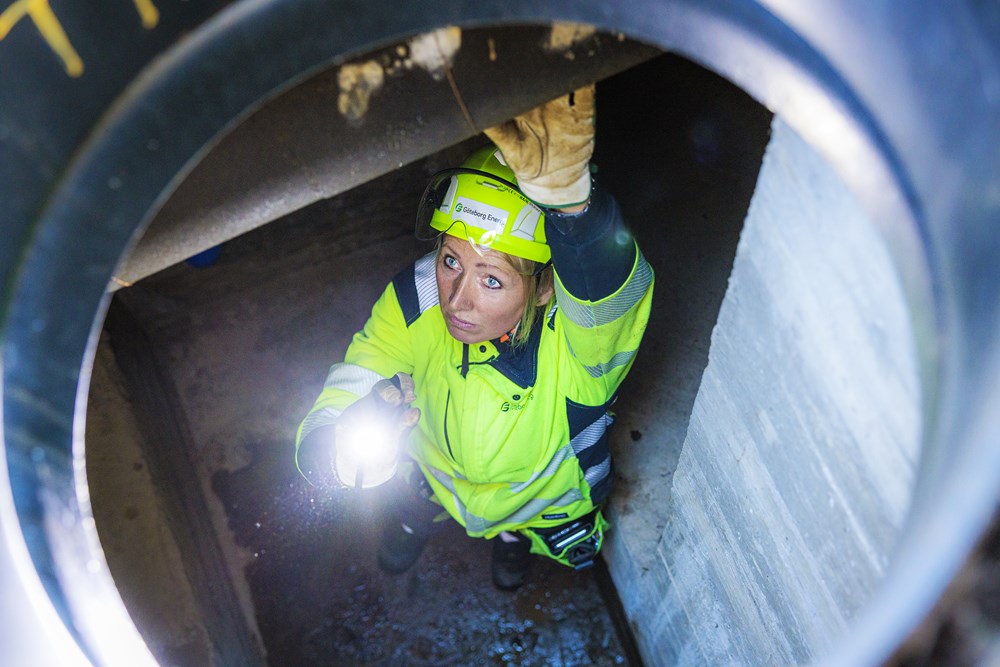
<point x="368" y="439"/>
<point x="367" y="451"/>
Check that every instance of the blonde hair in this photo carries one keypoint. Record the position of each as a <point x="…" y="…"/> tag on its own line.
<point x="534" y="286"/>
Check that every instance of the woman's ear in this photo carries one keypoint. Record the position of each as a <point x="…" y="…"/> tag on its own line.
<point x="545" y="291"/>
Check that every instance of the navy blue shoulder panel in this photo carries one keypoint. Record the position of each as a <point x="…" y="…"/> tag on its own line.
<point x="405" y="284"/>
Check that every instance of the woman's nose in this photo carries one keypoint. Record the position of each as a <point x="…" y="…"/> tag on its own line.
<point x="458" y="294"/>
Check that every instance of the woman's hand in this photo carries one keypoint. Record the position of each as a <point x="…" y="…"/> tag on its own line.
<point x="370" y="432"/>
<point x="549" y="148"/>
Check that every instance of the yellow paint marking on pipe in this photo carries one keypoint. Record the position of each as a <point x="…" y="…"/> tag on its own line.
<point x="148" y="12"/>
<point x="49" y="27"/>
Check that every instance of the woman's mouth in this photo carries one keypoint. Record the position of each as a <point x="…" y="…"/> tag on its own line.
<point x="461" y="324"/>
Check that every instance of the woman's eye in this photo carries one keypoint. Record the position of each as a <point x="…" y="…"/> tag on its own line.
<point x="493" y="283"/>
<point x="450" y="262"/>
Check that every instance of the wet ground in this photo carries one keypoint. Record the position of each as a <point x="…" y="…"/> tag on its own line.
<point x="322" y="600"/>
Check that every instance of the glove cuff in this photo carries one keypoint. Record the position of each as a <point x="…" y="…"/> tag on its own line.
<point x="571" y="194"/>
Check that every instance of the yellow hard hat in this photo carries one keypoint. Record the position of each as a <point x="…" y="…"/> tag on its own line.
<point x="481" y="203"/>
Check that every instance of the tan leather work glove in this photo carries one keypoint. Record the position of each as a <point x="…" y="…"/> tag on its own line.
<point x="549" y="149"/>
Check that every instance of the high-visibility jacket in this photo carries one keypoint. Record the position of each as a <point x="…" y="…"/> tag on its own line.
<point x="509" y="437"/>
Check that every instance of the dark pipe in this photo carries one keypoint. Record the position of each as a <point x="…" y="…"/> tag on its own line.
<point x="302" y="147"/>
<point x="909" y="90"/>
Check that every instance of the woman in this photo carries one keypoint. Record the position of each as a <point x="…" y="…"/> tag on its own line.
<point x="502" y="350"/>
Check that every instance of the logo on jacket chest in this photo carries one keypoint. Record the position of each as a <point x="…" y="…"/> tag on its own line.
<point x="517" y="404"/>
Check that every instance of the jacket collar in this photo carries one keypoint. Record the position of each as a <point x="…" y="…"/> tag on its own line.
<point x="520" y="364"/>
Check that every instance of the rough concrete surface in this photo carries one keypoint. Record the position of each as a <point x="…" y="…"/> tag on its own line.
<point x="798" y="465"/>
<point x="141" y="552"/>
<point x="684" y="165"/>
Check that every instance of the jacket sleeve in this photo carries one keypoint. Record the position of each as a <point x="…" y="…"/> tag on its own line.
<point x="380" y="350"/>
<point x="604" y="290"/>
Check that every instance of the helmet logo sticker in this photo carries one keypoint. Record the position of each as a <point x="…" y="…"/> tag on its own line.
<point x="477" y="214"/>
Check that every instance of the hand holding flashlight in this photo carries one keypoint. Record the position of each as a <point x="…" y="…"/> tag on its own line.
<point x="370" y="432"/>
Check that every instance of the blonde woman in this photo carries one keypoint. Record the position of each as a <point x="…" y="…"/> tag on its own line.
<point x="494" y="359"/>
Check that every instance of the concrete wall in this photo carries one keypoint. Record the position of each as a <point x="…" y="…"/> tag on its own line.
<point x="795" y="473"/>
<point x="142" y="554"/>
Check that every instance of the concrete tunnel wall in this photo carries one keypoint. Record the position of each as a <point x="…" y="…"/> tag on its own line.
<point x="796" y="471"/>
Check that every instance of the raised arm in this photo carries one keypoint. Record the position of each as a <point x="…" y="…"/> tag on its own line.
<point x="603" y="283"/>
<point x="549" y="149"/>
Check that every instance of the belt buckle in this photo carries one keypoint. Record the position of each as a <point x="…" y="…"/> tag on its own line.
<point x="581" y="556"/>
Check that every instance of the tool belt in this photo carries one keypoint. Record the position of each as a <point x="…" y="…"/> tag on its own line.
<point x="575" y="543"/>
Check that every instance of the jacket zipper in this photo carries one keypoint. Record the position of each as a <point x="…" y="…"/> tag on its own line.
<point x="447" y="440"/>
<point x="464" y="370"/>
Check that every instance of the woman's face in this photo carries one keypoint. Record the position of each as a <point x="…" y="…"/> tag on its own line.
<point x="482" y="297"/>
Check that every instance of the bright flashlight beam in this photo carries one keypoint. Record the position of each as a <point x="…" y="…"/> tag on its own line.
<point x="367" y="452"/>
<point x="369" y="442"/>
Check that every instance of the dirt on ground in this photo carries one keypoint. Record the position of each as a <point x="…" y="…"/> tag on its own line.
<point x="321" y="599"/>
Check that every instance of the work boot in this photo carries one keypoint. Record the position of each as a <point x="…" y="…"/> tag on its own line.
<point x="511" y="562"/>
<point x="399" y="547"/>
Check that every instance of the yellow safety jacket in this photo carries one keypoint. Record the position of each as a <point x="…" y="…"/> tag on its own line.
<point x="509" y="438"/>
